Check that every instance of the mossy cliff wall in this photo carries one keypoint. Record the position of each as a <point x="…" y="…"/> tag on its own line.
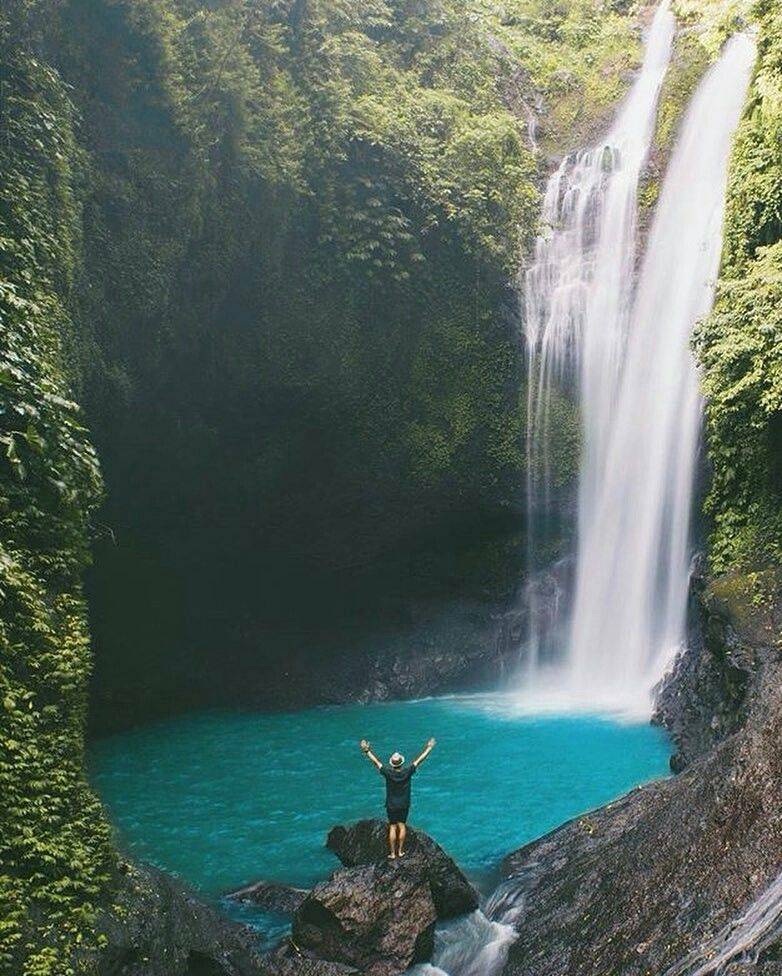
<point x="55" y="855"/>
<point x="302" y="365"/>
<point x="740" y="345"/>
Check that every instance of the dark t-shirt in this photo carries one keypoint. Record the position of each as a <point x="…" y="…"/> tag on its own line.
<point x="397" y="786"/>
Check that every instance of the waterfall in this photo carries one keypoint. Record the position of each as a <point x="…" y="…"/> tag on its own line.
<point x="576" y="301"/>
<point x="634" y="528"/>
<point x="623" y="348"/>
<point x="476" y="944"/>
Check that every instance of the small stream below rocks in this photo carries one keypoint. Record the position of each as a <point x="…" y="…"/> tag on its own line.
<point x="225" y="798"/>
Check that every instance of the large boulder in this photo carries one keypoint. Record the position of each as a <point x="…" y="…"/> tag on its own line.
<point x="378" y="918"/>
<point x="271" y="896"/>
<point x="365" y="843"/>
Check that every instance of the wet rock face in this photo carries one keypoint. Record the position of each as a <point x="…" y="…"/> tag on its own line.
<point x="271" y="896"/>
<point x="378" y="918"/>
<point x="459" y="650"/>
<point x="635" y="887"/>
<point x="163" y="930"/>
<point x="705" y="697"/>
<point x="750" y="967"/>
<point x="291" y="960"/>
<point x="365" y="843"/>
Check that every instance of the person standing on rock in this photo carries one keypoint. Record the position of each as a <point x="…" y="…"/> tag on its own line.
<point x="397" y="777"/>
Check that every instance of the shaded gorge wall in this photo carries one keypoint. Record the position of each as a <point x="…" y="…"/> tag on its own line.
<point x="300" y="348"/>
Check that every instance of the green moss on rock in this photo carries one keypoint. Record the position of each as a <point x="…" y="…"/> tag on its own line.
<point x="55" y="855"/>
<point x="739" y="345"/>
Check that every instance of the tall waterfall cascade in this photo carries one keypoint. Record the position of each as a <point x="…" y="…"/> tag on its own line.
<point x="618" y="343"/>
<point x="576" y="302"/>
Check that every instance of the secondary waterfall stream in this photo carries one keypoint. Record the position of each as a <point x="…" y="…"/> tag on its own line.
<point x="634" y="523"/>
<point x="620" y="347"/>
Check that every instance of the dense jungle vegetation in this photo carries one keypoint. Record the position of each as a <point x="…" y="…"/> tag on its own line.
<point x="55" y="854"/>
<point x="267" y="247"/>
<point x="740" y="345"/>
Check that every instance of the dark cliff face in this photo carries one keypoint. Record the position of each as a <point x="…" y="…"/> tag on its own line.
<point x="300" y="357"/>
<point x="708" y="694"/>
<point x="636" y="886"/>
<point x="425" y="622"/>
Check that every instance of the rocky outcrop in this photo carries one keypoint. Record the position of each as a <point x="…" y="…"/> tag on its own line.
<point x="158" y="928"/>
<point x="372" y="916"/>
<point x="378" y="918"/>
<point x="375" y="915"/>
<point x="638" y="886"/>
<point x="439" y="651"/>
<point x="439" y="647"/>
<point x="271" y="896"/>
<point x="365" y="843"/>
<point x="704" y="699"/>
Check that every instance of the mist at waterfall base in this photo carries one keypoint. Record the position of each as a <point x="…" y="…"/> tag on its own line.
<point x="620" y="345"/>
<point x="223" y="799"/>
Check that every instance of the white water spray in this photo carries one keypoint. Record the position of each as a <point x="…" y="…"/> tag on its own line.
<point x="476" y="944"/>
<point x="634" y="374"/>
<point x="634" y="521"/>
<point x="577" y="296"/>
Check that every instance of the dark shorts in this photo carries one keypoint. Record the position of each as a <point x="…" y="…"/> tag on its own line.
<point x="398" y="816"/>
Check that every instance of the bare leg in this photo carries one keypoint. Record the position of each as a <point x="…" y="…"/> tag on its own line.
<point x="392" y="841"/>
<point x="402" y="836"/>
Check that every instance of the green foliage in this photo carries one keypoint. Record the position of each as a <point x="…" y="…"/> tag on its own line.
<point x="298" y="204"/>
<point x="577" y="56"/>
<point x="366" y="151"/>
<point x="712" y="21"/>
<point x="740" y="345"/>
<point x="55" y="858"/>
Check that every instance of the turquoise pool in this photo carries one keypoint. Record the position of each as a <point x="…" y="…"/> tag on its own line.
<point x="224" y="798"/>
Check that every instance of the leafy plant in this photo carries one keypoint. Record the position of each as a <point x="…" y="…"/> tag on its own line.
<point x="740" y="345"/>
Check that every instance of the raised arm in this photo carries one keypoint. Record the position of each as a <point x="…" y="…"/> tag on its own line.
<point x="369" y="754"/>
<point x="427" y="749"/>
